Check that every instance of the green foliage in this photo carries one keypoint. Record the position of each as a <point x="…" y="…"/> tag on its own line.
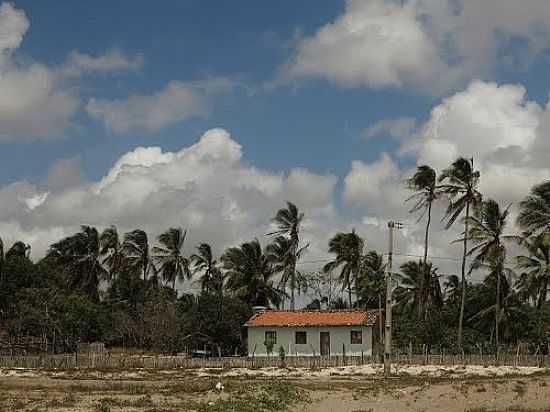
<point x="275" y="397"/>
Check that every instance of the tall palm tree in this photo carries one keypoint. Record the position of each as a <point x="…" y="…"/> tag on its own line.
<point x="459" y="183"/>
<point x="453" y="289"/>
<point x="535" y="279"/>
<point x="203" y="261"/>
<point x="534" y="216"/>
<point x="287" y="222"/>
<point x="111" y="250"/>
<point x="250" y="274"/>
<point x="424" y="184"/>
<point x="173" y="265"/>
<point x="136" y="252"/>
<point x="408" y="292"/>
<point x="348" y="251"/>
<point x="279" y="254"/>
<point x="79" y="255"/>
<point x="486" y="231"/>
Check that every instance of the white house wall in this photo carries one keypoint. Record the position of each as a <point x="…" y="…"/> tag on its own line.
<point x="339" y="335"/>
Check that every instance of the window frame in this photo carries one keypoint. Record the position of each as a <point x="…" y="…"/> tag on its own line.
<point x="301" y="333"/>
<point x="356" y="337"/>
<point x="272" y="333"/>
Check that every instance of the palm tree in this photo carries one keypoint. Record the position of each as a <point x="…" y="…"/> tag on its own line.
<point x="408" y="292"/>
<point x="79" y="255"/>
<point x="279" y="254"/>
<point x="453" y="289"/>
<point x="509" y="304"/>
<point x="111" y="249"/>
<point x="173" y="265"/>
<point x="534" y="216"/>
<point x="424" y="184"/>
<point x="18" y="249"/>
<point x="204" y="262"/>
<point x="250" y="274"/>
<point x="136" y="252"/>
<point x="372" y="285"/>
<point x="460" y="183"/>
<point x="348" y="251"/>
<point x="486" y="231"/>
<point x="287" y="222"/>
<point x="535" y="279"/>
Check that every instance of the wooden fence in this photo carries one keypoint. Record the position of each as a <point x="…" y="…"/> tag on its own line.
<point x="104" y="361"/>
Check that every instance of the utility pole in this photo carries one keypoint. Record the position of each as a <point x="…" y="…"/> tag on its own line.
<point x="388" y="332"/>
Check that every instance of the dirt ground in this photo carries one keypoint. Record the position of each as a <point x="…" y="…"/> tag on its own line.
<point x="214" y="391"/>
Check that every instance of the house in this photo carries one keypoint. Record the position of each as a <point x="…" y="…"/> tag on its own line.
<point x="311" y="332"/>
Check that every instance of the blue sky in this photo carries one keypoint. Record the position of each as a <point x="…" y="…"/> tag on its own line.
<point x="316" y="126"/>
<point x="329" y="102"/>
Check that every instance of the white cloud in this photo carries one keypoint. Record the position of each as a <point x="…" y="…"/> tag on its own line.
<point x="428" y="44"/>
<point x="498" y="126"/>
<point x="399" y="129"/>
<point x="176" y="102"/>
<point x="64" y="174"/>
<point x="37" y="101"/>
<point x="206" y="187"/>
<point x="113" y="61"/>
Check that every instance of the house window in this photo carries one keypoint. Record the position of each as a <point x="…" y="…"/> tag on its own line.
<point x="356" y="337"/>
<point x="301" y="338"/>
<point x="270" y="338"/>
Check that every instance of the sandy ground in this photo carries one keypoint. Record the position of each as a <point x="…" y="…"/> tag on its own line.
<point x="348" y="389"/>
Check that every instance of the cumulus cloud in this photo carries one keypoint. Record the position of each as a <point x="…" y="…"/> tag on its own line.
<point x="398" y="129"/>
<point x="428" y="44"/>
<point x="36" y="101"/>
<point x="113" y="61"/>
<point x="206" y="187"/>
<point x="497" y="125"/>
<point x="176" y="102"/>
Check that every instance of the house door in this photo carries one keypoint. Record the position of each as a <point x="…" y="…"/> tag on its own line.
<point x="325" y="343"/>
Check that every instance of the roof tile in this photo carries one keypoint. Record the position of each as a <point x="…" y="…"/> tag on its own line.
<point x="313" y="318"/>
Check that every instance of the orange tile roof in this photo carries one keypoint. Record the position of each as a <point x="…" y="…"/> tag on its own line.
<point x="313" y="318"/>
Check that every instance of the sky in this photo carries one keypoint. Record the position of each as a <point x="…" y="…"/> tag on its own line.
<point x="210" y="115"/>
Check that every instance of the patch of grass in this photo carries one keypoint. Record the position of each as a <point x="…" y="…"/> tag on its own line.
<point x="275" y="397"/>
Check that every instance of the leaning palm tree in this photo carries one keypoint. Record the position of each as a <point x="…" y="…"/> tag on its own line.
<point x="173" y="265"/>
<point x="424" y="184"/>
<point x="136" y="252"/>
<point x="111" y="249"/>
<point x="348" y="251"/>
<point x="535" y="279"/>
<point x="459" y="184"/>
<point x="486" y="231"/>
<point x="250" y="275"/>
<point x="79" y="256"/>
<point x="203" y="262"/>
<point x="287" y="222"/>
<point x="279" y="254"/>
<point x="534" y="216"/>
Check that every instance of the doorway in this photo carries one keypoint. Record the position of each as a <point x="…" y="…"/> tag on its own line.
<point x="325" y="343"/>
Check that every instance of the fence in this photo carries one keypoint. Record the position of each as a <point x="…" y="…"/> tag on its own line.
<point x="105" y="361"/>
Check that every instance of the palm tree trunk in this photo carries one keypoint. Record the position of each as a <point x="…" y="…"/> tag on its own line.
<point x="543" y="293"/>
<point x="423" y="284"/>
<point x="497" y="313"/>
<point x="463" y="273"/>
<point x="292" y="286"/>
<point x="174" y="284"/>
<point x="380" y="328"/>
<point x="349" y="295"/>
